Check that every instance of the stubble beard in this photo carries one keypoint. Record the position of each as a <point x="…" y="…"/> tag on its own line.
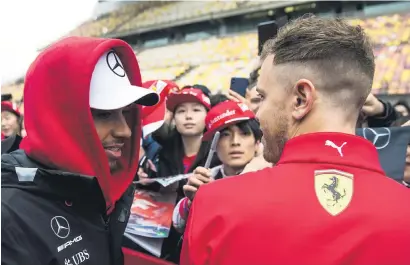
<point x="115" y="166"/>
<point x="274" y="143"/>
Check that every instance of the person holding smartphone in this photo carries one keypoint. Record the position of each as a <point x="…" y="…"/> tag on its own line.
<point x="247" y="94"/>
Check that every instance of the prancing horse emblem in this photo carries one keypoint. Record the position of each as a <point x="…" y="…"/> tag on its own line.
<point x="334" y="190"/>
<point x="336" y="195"/>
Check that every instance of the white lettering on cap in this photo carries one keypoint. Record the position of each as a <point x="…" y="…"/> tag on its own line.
<point x="220" y="117"/>
<point x="206" y="99"/>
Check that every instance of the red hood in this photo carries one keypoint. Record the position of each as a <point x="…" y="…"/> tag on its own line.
<point x="59" y="125"/>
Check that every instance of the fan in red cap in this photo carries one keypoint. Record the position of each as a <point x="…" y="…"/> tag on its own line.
<point x="10" y="119"/>
<point x="179" y="150"/>
<point x="187" y="95"/>
<point x="171" y="86"/>
<point x="224" y="115"/>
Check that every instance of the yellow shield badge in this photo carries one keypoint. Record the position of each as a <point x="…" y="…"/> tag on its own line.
<point x="334" y="189"/>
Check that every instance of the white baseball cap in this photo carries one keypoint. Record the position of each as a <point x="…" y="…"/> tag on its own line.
<point x="111" y="89"/>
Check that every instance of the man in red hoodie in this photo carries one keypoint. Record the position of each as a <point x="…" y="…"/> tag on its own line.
<point x="327" y="200"/>
<point x="66" y="194"/>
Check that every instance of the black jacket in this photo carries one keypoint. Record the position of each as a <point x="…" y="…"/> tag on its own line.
<point x="57" y="218"/>
<point x="386" y="119"/>
<point x="10" y="144"/>
<point x="171" y="155"/>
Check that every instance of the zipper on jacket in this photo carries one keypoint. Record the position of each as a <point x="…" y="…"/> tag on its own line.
<point x="106" y="221"/>
<point x="106" y="218"/>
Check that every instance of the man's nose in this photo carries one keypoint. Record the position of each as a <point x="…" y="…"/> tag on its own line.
<point x="188" y="115"/>
<point x="122" y="130"/>
<point x="236" y="141"/>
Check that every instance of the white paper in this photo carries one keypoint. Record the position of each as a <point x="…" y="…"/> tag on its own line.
<point x="166" y="181"/>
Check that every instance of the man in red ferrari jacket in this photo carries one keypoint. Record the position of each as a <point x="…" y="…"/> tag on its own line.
<point x="327" y="200"/>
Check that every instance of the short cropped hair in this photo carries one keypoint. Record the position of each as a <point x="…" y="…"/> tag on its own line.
<point x="339" y="55"/>
<point x="253" y="78"/>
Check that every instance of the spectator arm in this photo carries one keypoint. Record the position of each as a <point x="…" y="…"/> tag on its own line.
<point x="384" y="119"/>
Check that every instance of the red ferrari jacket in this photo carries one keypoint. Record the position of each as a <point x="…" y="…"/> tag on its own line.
<point x="326" y="202"/>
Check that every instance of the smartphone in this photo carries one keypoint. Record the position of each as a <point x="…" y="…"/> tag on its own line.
<point x="281" y="21"/>
<point x="266" y="30"/>
<point x="239" y="85"/>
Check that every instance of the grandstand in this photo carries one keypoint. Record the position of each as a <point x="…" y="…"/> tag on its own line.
<point x="209" y="42"/>
<point x="108" y="23"/>
<point x="175" y="11"/>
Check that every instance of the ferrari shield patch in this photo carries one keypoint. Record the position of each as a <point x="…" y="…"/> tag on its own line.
<point x="334" y="189"/>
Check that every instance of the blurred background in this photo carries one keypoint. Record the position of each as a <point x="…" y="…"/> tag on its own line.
<point x="208" y="42"/>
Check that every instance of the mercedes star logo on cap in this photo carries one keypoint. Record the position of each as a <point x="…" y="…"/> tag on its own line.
<point x="380" y="137"/>
<point x="114" y="64"/>
<point x="60" y="226"/>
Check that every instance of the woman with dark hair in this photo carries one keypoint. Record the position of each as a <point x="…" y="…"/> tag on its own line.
<point x="189" y="108"/>
<point x="238" y="144"/>
<point x="170" y="137"/>
<point x="182" y="150"/>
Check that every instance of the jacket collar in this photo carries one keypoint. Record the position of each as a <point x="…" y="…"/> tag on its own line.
<point x="332" y="148"/>
<point x="19" y="171"/>
<point x="224" y="174"/>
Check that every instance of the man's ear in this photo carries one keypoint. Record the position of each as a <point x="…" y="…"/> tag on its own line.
<point x="303" y="98"/>
<point x="258" y="148"/>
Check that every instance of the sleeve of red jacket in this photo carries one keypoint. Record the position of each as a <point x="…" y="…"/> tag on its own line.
<point x="201" y="232"/>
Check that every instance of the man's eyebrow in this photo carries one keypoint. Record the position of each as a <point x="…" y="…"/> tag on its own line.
<point x="257" y="98"/>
